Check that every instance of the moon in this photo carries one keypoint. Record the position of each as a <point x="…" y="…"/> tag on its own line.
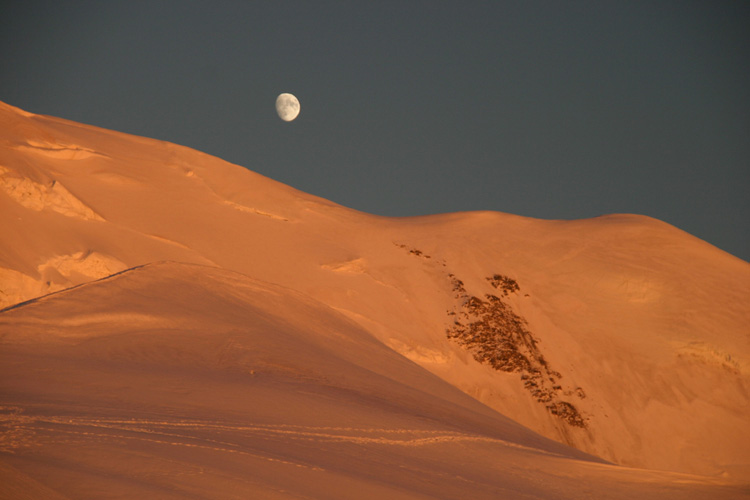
<point x="287" y="106"/>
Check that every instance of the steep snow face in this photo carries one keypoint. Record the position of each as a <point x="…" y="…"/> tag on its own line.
<point x="615" y="306"/>
<point x="629" y="336"/>
<point x="175" y="380"/>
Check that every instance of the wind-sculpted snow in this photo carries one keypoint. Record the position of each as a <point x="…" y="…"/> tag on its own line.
<point x="37" y="196"/>
<point x="56" y="273"/>
<point x="238" y="387"/>
<point x="58" y="151"/>
<point x="620" y="336"/>
<point x="23" y="431"/>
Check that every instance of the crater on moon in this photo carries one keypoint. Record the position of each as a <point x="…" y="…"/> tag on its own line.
<point x="287" y="106"/>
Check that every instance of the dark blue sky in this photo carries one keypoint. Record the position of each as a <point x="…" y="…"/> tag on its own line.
<point x="553" y="109"/>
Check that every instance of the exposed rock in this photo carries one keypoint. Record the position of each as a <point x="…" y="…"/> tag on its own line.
<point x="496" y="335"/>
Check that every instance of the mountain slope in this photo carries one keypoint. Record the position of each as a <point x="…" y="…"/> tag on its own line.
<point x="175" y="380"/>
<point x="628" y="337"/>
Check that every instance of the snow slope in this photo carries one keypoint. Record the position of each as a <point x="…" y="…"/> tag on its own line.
<point x="621" y="336"/>
<point x="174" y="380"/>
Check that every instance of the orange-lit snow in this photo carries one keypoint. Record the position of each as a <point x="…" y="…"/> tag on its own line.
<point x="198" y="330"/>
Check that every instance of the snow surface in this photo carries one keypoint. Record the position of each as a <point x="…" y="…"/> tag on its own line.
<point x="194" y="329"/>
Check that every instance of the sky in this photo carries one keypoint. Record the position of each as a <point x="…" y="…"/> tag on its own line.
<point x="554" y="110"/>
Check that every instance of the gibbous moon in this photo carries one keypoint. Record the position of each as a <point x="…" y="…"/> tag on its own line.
<point x="287" y="106"/>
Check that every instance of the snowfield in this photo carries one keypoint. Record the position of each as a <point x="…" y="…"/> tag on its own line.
<point x="175" y="326"/>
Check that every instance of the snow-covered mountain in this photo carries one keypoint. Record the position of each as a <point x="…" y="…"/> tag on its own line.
<point x="194" y="328"/>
